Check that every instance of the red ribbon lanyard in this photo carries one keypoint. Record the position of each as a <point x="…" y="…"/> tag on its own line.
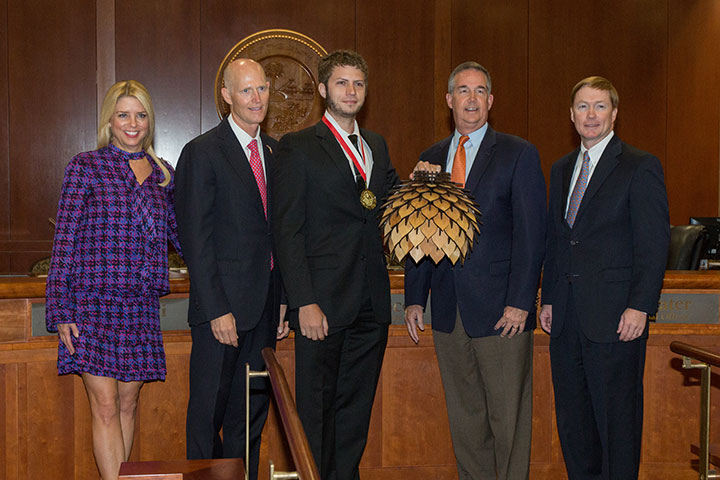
<point x="347" y="149"/>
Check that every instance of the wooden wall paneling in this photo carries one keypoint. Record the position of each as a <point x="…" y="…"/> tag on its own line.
<point x="415" y="416"/>
<point x="693" y="103"/>
<point x="672" y="421"/>
<point x="226" y="22"/>
<point x="398" y="45"/>
<point x="12" y="320"/>
<point x="495" y="34"/>
<point x="4" y="134"/>
<point x="9" y="422"/>
<point x="623" y="41"/>
<point x="442" y="67"/>
<point x="51" y="107"/>
<point x="49" y="422"/>
<point x="105" y="41"/>
<point x="158" y="43"/>
<point x="545" y="440"/>
<point x="21" y="255"/>
<point x="161" y="415"/>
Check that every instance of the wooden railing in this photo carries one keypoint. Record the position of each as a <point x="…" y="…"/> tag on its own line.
<point x="707" y="453"/>
<point x="287" y="411"/>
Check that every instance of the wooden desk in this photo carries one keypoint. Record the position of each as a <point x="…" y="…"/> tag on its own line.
<point x="45" y="425"/>
<point x="218" y="469"/>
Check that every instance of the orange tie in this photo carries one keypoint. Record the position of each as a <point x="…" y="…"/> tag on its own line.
<point x="458" y="169"/>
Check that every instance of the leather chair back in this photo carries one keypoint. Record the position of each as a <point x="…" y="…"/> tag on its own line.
<point x="687" y="245"/>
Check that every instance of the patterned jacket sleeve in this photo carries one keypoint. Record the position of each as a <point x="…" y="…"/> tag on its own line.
<point x="60" y="306"/>
<point x="172" y="228"/>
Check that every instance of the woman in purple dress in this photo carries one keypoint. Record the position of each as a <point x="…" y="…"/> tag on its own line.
<point x="109" y="266"/>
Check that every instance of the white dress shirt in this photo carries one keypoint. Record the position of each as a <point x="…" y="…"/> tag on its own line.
<point x="245" y="140"/>
<point x="368" y="160"/>
<point x="595" y="153"/>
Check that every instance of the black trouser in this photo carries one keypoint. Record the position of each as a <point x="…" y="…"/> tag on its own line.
<point x="335" y="380"/>
<point x="598" y="402"/>
<point x="217" y="392"/>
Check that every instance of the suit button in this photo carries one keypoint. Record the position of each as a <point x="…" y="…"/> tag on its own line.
<point x="362" y="258"/>
<point x="574" y="242"/>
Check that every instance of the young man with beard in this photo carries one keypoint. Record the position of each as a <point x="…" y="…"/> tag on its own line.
<point x="330" y="181"/>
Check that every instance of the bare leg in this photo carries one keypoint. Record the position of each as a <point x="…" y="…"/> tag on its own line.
<point x="107" y="432"/>
<point x="129" y="393"/>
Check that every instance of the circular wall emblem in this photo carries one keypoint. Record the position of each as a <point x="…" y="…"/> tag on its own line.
<point x="290" y="60"/>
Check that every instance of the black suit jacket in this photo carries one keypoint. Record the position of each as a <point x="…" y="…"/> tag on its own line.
<point x="225" y="237"/>
<point x="503" y="268"/>
<point x="614" y="256"/>
<point x="329" y="247"/>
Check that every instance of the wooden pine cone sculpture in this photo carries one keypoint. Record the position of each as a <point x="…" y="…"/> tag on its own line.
<point x="430" y="216"/>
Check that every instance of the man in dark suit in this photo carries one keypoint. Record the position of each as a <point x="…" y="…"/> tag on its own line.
<point x="330" y="180"/>
<point x="483" y="312"/>
<point x="608" y="235"/>
<point x="223" y="204"/>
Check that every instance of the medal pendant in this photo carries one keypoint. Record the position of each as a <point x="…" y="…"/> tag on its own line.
<point x="368" y="199"/>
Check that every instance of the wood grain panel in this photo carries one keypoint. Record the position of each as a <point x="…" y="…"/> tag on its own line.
<point x="495" y="34"/>
<point x="570" y="40"/>
<point x="415" y="416"/>
<point x="412" y="405"/>
<point x="8" y="422"/>
<point x="226" y="22"/>
<point x="4" y="128"/>
<point x="672" y="420"/>
<point x="442" y="67"/>
<point x="12" y="320"/>
<point x="105" y="41"/>
<point x="158" y="44"/>
<point x="436" y="472"/>
<point x="52" y="104"/>
<point x="545" y="448"/>
<point x="693" y="121"/>
<point x="49" y="422"/>
<point x="401" y="87"/>
<point x="163" y="416"/>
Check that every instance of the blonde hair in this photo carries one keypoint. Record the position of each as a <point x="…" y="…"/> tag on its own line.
<point x="135" y="89"/>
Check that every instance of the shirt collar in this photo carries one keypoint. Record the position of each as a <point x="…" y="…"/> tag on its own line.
<point x="596" y="150"/>
<point x="475" y="138"/>
<point x="242" y="135"/>
<point x="341" y="131"/>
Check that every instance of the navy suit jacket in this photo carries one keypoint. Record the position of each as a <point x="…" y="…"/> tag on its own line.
<point x="225" y="236"/>
<point x="614" y="256"/>
<point x="329" y="247"/>
<point x="503" y="268"/>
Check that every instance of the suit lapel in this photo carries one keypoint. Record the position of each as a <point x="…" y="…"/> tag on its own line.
<point x="336" y="154"/>
<point x="482" y="159"/>
<point x="608" y="162"/>
<point x="268" y="172"/>
<point x="444" y="148"/>
<point x="377" y="179"/>
<point x="238" y="161"/>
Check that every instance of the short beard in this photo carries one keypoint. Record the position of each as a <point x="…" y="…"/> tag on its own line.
<point x="333" y="107"/>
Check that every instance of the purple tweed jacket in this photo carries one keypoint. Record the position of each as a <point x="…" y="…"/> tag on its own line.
<point x="111" y="233"/>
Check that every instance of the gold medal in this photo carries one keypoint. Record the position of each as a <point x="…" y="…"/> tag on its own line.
<point x="368" y="199"/>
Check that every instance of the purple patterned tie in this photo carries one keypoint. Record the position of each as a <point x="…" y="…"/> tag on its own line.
<point x="579" y="190"/>
<point x="257" y="168"/>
